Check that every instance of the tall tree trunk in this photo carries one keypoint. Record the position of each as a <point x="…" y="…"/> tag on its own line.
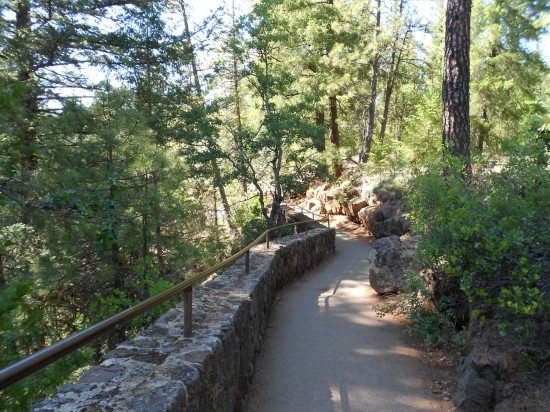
<point x="335" y="133"/>
<point x="456" y="81"/>
<point x="320" y="121"/>
<point x="26" y="134"/>
<point x="194" y="67"/>
<point x="236" y="82"/>
<point x="334" y="130"/>
<point x="367" y="136"/>
<point x="395" y="62"/>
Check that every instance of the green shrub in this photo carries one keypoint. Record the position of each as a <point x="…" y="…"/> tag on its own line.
<point x="490" y="234"/>
<point x="435" y="326"/>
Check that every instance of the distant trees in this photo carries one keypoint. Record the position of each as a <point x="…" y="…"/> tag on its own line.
<point x="97" y="205"/>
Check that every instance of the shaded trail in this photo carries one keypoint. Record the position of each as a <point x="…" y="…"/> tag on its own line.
<point x="327" y="351"/>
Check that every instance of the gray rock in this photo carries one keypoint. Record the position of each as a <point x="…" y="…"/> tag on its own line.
<point x="388" y="261"/>
<point x="385" y="219"/>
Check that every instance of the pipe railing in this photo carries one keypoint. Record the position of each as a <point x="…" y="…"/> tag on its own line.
<point x="305" y="212"/>
<point x="46" y="356"/>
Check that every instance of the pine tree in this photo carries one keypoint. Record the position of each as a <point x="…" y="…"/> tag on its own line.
<point x="456" y="81"/>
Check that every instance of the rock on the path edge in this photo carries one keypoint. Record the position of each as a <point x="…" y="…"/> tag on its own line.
<point x="389" y="259"/>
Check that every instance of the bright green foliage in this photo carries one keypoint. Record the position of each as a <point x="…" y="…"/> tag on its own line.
<point x="491" y="235"/>
<point x="435" y="326"/>
<point x="505" y="68"/>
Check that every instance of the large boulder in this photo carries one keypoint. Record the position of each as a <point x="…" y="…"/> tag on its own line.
<point x="314" y="205"/>
<point x="352" y="208"/>
<point x="385" y="219"/>
<point x="389" y="259"/>
<point x="378" y="191"/>
<point x="333" y="194"/>
<point x="333" y="207"/>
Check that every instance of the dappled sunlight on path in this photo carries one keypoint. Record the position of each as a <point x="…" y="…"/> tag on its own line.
<point x="327" y="350"/>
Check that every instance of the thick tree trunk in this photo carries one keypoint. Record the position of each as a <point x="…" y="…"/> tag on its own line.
<point x="367" y="136"/>
<point x="334" y="132"/>
<point x="456" y="81"/>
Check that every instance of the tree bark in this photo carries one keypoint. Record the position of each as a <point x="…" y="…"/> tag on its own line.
<point x="334" y="132"/>
<point x="456" y="81"/>
<point x="320" y="121"/>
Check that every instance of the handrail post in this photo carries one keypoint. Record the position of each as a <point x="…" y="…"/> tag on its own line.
<point x="267" y="240"/>
<point x="328" y="217"/>
<point x="188" y="312"/>
<point x="247" y="262"/>
<point x="306" y="225"/>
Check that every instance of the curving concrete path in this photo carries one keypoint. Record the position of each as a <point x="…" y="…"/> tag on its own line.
<point x="327" y="351"/>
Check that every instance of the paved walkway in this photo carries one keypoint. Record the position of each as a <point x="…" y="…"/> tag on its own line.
<point x="327" y="351"/>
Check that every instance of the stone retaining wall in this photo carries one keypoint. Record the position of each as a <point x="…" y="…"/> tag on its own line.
<point x="161" y="370"/>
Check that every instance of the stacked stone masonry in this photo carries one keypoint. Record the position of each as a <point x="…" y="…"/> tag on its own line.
<point x="161" y="370"/>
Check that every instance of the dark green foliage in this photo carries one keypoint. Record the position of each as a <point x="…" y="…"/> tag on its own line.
<point x="490" y="236"/>
<point x="25" y="326"/>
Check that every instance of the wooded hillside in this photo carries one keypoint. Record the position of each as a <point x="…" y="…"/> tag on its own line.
<point x="137" y="146"/>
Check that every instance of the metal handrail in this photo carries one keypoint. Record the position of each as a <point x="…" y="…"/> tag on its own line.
<point x="305" y="211"/>
<point x="46" y="356"/>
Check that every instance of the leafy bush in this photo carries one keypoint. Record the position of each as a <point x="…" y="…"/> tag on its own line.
<point x="490" y="235"/>
<point x="435" y="326"/>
